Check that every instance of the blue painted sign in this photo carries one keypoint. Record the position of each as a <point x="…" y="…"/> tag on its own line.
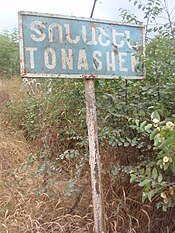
<point x="60" y="46"/>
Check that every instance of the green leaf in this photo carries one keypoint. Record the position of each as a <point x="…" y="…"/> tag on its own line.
<point x="148" y="171"/>
<point x="172" y="166"/>
<point x="25" y="167"/>
<point x="19" y="169"/>
<point x="148" y="127"/>
<point x="161" y="145"/>
<point x="156" y="141"/>
<point x="160" y="178"/>
<point x="133" y="178"/>
<point x="150" y="195"/>
<point x="67" y="156"/>
<point x="72" y="156"/>
<point x="42" y="168"/>
<point x="143" y="124"/>
<point x="147" y="187"/>
<point x="134" y="142"/>
<point x="153" y="133"/>
<point x="141" y="171"/>
<point x="144" y="182"/>
<point x="144" y="196"/>
<point x="126" y="144"/>
<point x="155" y="115"/>
<point x="155" y="173"/>
<point x="137" y="122"/>
<point x="119" y="143"/>
<point x="166" y="166"/>
<point x="159" y="162"/>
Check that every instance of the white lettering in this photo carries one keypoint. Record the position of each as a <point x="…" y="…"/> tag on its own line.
<point x="37" y="31"/>
<point x="134" y="63"/>
<point x="50" y="58"/>
<point x="67" y="59"/>
<point x="114" y="38"/>
<point x="84" y="36"/>
<point x="82" y="60"/>
<point x="51" y="32"/>
<point x="96" y="61"/>
<point x="108" y="63"/>
<point x="31" y="54"/>
<point x="121" y="61"/>
<point x="71" y="41"/>
<point x="103" y="33"/>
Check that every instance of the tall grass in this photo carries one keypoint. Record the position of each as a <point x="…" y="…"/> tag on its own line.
<point x="23" y="209"/>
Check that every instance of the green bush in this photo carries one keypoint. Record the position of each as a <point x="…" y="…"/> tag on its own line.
<point x="9" y="53"/>
<point x="156" y="173"/>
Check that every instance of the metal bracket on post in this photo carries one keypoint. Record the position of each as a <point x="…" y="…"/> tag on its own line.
<point x="94" y="157"/>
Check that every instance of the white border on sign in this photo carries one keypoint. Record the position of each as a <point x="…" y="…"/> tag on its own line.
<point x="79" y="76"/>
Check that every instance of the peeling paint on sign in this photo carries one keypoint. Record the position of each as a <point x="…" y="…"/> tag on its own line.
<point x="60" y="46"/>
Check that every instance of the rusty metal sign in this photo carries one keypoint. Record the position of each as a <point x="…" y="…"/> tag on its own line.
<point x="70" y="47"/>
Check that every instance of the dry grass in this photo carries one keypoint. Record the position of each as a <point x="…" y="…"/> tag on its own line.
<point x="125" y="213"/>
<point x="24" y="212"/>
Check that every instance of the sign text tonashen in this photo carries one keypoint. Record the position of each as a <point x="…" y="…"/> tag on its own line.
<point x="60" y="46"/>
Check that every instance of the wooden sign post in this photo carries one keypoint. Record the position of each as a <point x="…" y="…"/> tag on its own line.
<point x="94" y="157"/>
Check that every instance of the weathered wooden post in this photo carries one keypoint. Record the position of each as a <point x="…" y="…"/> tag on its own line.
<point x="94" y="157"/>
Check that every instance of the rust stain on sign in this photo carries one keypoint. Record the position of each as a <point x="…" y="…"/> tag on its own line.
<point x="115" y="49"/>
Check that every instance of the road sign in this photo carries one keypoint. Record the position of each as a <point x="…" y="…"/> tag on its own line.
<point x="70" y="47"/>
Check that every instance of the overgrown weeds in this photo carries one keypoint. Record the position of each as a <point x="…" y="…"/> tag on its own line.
<point x="30" y="202"/>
